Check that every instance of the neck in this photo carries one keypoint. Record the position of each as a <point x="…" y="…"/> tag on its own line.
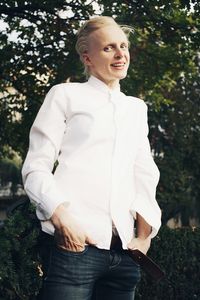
<point x="112" y="84"/>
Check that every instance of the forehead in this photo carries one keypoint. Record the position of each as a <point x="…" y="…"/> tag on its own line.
<point x="107" y="35"/>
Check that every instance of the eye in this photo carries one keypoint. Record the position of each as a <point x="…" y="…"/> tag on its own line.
<point x="124" y="46"/>
<point x="108" y="48"/>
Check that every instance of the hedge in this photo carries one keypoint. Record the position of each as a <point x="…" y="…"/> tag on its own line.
<point x="19" y="256"/>
<point x="176" y="251"/>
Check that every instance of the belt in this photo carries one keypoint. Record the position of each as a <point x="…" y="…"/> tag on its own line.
<point x="144" y="261"/>
<point x="116" y="243"/>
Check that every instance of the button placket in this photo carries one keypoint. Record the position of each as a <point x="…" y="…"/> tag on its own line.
<point x="113" y="158"/>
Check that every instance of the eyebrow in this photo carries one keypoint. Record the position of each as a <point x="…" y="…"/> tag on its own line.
<point x="114" y="44"/>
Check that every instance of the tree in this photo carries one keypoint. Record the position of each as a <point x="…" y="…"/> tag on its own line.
<point x="39" y="56"/>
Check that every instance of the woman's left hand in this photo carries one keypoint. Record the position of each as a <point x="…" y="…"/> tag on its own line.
<point x="140" y="243"/>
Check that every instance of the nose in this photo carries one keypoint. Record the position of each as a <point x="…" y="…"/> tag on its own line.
<point x="119" y="53"/>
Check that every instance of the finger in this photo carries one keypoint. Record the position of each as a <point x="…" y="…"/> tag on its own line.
<point x="72" y="249"/>
<point x="69" y="244"/>
<point x="132" y="245"/>
<point x="133" y="248"/>
<point x="62" y="241"/>
<point x="74" y="244"/>
<point x="90" y="241"/>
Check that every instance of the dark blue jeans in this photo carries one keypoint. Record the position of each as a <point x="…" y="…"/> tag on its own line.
<point x="93" y="274"/>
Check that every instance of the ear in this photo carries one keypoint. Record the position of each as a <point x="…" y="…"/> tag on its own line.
<point x="86" y="59"/>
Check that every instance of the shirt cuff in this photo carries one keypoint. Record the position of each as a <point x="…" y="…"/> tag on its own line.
<point x="149" y="211"/>
<point x="48" y="202"/>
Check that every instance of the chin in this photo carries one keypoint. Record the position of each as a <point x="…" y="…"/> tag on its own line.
<point x="122" y="76"/>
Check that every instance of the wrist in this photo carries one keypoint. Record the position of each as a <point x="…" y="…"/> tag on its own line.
<point x="58" y="213"/>
<point x="143" y="229"/>
<point x="144" y="234"/>
<point x="144" y="237"/>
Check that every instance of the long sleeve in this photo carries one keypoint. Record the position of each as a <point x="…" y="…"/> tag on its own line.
<point x="146" y="179"/>
<point x="99" y="138"/>
<point x="45" y="139"/>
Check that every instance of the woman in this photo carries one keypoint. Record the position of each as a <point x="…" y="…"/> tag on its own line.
<point x="105" y="179"/>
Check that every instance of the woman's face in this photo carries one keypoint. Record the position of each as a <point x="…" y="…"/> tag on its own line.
<point x="108" y="54"/>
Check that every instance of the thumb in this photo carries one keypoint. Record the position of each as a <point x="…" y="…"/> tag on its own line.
<point x="90" y="241"/>
<point x="132" y="244"/>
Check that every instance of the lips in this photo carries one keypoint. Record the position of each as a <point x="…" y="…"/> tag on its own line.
<point x="118" y="64"/>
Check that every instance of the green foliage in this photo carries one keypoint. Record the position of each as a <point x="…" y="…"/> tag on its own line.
<point x="176" y="251"/>
<point x="10" y="172"/>
<point x="19" y="258"/>
<point x="177" y="138"/>
<point x="35" y="50"/>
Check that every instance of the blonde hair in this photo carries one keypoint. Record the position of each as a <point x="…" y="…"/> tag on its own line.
<point x="90" y="26"/>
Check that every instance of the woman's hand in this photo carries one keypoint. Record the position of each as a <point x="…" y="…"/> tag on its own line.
<point x="68" y="234"/>
<point x="140" y="243"/>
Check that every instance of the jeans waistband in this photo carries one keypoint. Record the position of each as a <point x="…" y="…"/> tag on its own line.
<point x="116" y="243"/>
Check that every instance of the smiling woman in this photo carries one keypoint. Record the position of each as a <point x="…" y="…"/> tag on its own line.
<point x="107" y="56"/>
<point x="99" y="35"/>
<point x="105" y="178"/>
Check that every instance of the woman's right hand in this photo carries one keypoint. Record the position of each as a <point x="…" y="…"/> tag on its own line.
<point x="68" y="234"/>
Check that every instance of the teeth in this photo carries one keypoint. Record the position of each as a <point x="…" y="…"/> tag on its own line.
<point x="118" y="65"/>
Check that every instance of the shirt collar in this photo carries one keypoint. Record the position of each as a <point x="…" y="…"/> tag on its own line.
<point x="100" y="85"/>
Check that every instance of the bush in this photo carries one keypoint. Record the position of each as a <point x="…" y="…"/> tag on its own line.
<point x="19" y="258"/>
<point x="176" y="251"/>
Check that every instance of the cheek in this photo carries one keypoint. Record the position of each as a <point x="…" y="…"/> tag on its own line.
<point x="128" y="62"/>
<point x="128" y="56"/>
<point x="104" y="63"/>
<point x="106" y="59"/>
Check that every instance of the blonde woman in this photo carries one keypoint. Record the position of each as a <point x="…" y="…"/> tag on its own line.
<point x="105" y="179"/>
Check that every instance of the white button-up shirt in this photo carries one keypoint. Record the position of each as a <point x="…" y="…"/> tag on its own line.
<point x="105" y="172"/>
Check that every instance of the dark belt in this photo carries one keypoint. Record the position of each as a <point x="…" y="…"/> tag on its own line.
<point x="116" y="243"/>
<point x="144" y="261"/>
